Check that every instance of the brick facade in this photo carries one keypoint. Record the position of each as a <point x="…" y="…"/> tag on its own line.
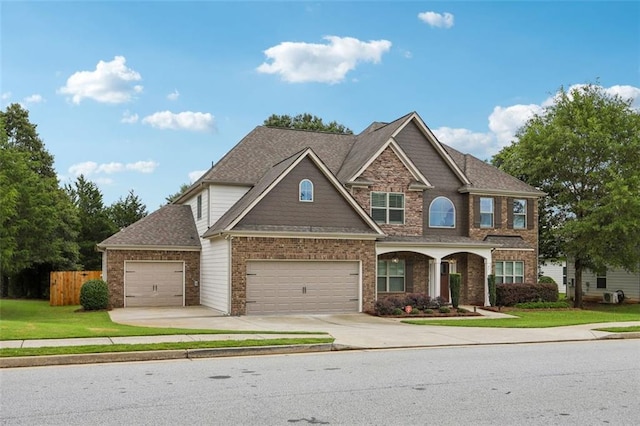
<point x="115" y="271"/>
<point x="244" y="249"/>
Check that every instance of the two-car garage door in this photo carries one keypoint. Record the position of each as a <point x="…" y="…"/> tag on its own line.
<point x="294" y="287"/>
<point x="154" y="284"/>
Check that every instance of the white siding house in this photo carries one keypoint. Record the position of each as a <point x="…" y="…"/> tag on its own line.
<point x="555" y="269"/>
<point x="594" y="285"/>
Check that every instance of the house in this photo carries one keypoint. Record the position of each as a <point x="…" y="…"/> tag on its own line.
<point x="596" y="284"/>
<point x="556" y="269"/>
<point x="294" y="221"/>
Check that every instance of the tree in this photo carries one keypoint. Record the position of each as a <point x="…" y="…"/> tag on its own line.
<point x="584" y="152"/>
<point x="183" y="188"/>
<point x="306" y="121"/>
<point x="95" y="224"/>
<point x="38" y="221"/>
<point x="125" y="212"/>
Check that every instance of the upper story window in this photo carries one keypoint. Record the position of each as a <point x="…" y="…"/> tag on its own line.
<point x="442" y="213"/>
<point x="199" y="207"/>
<point x="387" y="207"/>
<point x="306" y="190"/>
<point x="519" y="214"/>
<point x="486" y="212"/>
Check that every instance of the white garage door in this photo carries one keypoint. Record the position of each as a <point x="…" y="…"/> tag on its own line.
<point x="295" y="287"/>
<point x="154" y="284"/>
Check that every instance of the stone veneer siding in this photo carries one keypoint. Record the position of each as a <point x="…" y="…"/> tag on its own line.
<point x="389" y="174"/>
<point x="244" y="249"/>
<point x="115" y="271"/>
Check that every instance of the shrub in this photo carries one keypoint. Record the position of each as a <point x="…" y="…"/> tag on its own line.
<point x="512" y="293"/>
<point x="444" y="309"/>
<point x="436" y="303"/>
<point x="454" y="286"/>
<point x="492" y="289"/>
<point x="417" y="300"/>
<point x="428" y="311"/>
<point x="463" y="311"/>
<point x="94" y="295"/>
<point x="542" y="305"/>
<point x="546" y="280"/>
<point x="397" y="311"/>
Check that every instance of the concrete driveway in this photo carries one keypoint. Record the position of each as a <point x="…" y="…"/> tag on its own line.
<point x="354" y="330"/>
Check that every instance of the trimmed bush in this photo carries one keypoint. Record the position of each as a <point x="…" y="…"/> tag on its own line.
<point x="397" y="311"/>
<point x="491" y="279"/>
<point x="543" y="305"/>
<point x="454" y="286"/>
<point x="512" y="293"/>
<point x="94" y="295"/>
<point x="417" y="300"/>
<point x="463" y="311"/>
<point x="444" y="309"/>
<point x="546" y="280"/>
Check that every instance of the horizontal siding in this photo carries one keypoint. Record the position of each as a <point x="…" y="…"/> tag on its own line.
<point x="214" y="275"/>
<point x="617" y="279"/>
<point x="554" y="270"/>
<point x="222" y="198"/>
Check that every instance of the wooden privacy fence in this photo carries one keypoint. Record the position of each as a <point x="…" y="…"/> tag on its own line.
<point x="64" y="286"/>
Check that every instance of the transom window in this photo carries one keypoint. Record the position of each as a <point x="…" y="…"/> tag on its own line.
<point x="391" y="275"/>
<point x="387" y="207"/>
<point x="306" y="190"/>
<point x="442" y="213"/>
<point x="486" y="212"/>
<point x="509" y="272"/>
<point x="519" y="214"/>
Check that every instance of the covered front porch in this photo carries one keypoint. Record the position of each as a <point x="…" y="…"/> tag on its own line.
<point x="423" y="265"/>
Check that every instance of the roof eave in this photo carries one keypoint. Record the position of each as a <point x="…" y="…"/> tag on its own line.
<point x="103" y="247"/>
<point x="501" y="192"/>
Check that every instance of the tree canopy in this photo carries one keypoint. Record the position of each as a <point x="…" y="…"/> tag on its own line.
<point x="584" y="152"/>
<point x="126" y="211"/>
<point x="306" y="121"/>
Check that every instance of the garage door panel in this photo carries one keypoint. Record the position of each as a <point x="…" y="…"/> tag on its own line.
<point x="154" y="284"/>
<point x="287" y="287"/>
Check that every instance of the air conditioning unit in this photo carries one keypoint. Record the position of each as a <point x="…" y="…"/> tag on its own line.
<point x="610" y="297"/>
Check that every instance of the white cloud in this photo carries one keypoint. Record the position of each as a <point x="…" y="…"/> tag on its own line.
<point x="33" y="99"/>
<point x="173" y="95"/>
<point x="481" y="145"/>
<point x="89" y="168"/>
<point x="195" y="175"/>
<point x="505" y="122"/>
<point x="129" y="118"/>
<point x="111" y="82"/>
<point x="626" y="92"/>
<point x="298" y="62"/>
<point x="434" y="19"/>
<point x="5" y="96"/>
<point x="188" y="120"/>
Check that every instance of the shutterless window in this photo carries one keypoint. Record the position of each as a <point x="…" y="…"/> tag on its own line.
<point x="509" y="272"/>
<point x="391" y="275"/>
<point x="199" y="207"/>
<point x="486" y="212"/>
<point x="601" y="280"/>
<point x="387" y="207"/>
<point x="442" y="213"/>
<point x="519" y="214"/>
<point x="306" y="190"/>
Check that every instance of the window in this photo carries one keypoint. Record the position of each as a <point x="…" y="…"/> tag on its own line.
<point x="509" y="272"/>
<point x="519" y="214"/>
<point x="442" y="214"/>
<point x="390" y="275"/>
<point x="199" y="207"/>
<point x="306" y="190"/>
<point x="601" y="279"/>
<point x="486" y="212"/>
<point x="387" y="207"/>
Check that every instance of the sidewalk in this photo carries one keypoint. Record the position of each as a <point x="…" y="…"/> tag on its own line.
<point x="350" y="331"/>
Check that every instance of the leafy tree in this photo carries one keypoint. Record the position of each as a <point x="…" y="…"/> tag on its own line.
<point x="306" y="121"/>
<point x="126" y="211"/>
<point x="584" y="152"/>
<point x="173" y="197"/>
<point x="38" y="221"/>
<point x="95" y="224"/>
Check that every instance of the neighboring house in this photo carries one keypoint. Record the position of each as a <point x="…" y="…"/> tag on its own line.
<point x="293" y="221"/>
<point x="595" y="284"/>
<point x="556" y="269"/>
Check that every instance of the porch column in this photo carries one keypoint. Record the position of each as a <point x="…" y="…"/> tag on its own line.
<point x="436" y="278"/>
<point x="487" y="272"/>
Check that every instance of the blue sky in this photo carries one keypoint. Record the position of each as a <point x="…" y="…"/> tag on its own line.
<point x="146" y="95"/>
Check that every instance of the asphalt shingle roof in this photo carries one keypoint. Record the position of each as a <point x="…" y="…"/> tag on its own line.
<point x="169" y="226"/>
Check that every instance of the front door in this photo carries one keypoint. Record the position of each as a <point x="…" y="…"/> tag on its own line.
<point x="444" y="281"/>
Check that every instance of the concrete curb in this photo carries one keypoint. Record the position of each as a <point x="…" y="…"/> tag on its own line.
<point x="631" y="335"/>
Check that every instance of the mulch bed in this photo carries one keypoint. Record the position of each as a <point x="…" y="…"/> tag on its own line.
<point x="434" y="314"/>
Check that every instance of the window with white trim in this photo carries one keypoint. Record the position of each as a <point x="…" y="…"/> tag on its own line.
<point x="387" y="207"/>
<point x="391" y="275"/>
<point x="519" y="214"/>
<point x="442" y="213"/>
<point x="601" y="279"/>
<point x="486" y="212"/>
<point x="306" y="190"/>
<point x="199" y="207"/>
<point x="509" y="272"/>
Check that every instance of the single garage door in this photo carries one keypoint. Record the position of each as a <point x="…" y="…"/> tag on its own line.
<point x="154" y="284"/>
<point x="296" y="287"/>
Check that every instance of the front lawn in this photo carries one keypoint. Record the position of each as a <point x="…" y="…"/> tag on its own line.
<point x="35" y="319"/>
<point x="542" y="318"/>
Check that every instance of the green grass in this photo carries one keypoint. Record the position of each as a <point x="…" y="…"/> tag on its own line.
<point x="630" y="329"/>
<point x="35" y="319"/>
<point x="92" y="349"/>
<point x="543" y="318"/>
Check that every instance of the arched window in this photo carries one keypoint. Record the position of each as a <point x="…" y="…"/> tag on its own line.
<point x="306" y="190"/>
<point x="442" y="213"/>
